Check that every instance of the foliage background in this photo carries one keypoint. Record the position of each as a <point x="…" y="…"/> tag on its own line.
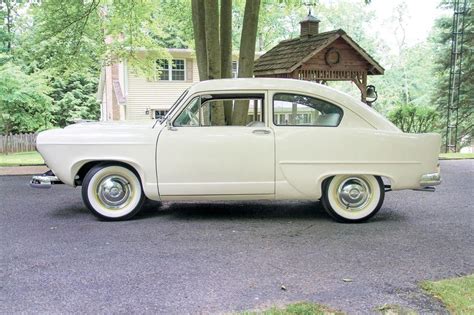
<point x="61" y="45"/>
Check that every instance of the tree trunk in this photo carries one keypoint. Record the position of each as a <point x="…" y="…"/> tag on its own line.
<point x="7" y="131"/>
<point x="9" y="23"/>
<point x="212" y="38"/>
<point x="226" y="51"/>
<point x="198" y="16"/>
<point x="248" y="38"/>
<point x="226" y="38"/>
<point x="247" y="54"/>
<point x="214" y="55"/>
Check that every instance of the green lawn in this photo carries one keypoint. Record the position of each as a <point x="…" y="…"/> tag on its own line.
<point x="456" y="156"/>
<point x="457" y="294"/>
<point x="302" y="308"/>
<point x="24" y="158"/>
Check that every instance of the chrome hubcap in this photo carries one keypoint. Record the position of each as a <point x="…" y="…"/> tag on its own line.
<point x="114" y="192"/>
<point x="354" y="193"/>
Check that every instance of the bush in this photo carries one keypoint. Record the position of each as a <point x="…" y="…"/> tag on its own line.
<point x="416" y="119"/>
<point x="24" y="102"/>
<point x="74" y="98"/>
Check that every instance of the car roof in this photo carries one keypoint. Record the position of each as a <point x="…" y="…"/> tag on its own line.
<point x="254" y="84"/>
<point x="297" y="86"/>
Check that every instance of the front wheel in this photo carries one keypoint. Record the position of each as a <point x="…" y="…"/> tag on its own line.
<point x="112" y="192"/>
<point x="353" y="198"/>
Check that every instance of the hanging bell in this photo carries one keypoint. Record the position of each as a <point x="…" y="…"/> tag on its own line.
<point x="371" y="94"/>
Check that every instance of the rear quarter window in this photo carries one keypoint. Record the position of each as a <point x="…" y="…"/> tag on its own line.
<point x="301" y="110"/>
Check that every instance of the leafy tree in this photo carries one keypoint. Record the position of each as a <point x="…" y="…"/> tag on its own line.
<point x="442" y="51"/>
<point x="72" y="90"/>
<point x="408" y="78"/>
<point x="277" y="21"/>
<point x="413" y="118"/>
<point x="74" y="98"/>
<point x="176" y="25"/>
<point x="8" y="11"/>
<point x="24" y="103"/>
<point x="115" y="30"/>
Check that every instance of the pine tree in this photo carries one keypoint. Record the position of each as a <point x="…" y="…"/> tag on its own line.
<point x="442" y="38"/>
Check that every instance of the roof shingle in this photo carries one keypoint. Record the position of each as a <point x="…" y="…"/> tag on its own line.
<point x="288" y="53"/>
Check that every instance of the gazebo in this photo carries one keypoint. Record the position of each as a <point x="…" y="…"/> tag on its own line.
<point x="319" y="57"/>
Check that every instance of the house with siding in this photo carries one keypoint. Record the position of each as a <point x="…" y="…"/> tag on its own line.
<point x="125" y="95"/>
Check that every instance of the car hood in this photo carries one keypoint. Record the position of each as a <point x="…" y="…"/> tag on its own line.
<point x="101" y="133"/>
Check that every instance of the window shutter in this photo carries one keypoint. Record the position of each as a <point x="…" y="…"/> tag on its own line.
<point x="189" y="70"/>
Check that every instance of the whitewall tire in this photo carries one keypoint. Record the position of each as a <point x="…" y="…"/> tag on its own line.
<point x="353" y="198"/>
<point x="112" y="192"/>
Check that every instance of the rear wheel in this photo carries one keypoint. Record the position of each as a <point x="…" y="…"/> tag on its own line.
<point x="353" y="198"/>
<point x="112" y="192"/>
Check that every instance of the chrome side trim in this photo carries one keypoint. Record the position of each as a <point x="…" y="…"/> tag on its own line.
<point x="432" y="179"/>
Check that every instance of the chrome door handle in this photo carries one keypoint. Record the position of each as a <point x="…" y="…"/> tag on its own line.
<point x="261" y="132"/>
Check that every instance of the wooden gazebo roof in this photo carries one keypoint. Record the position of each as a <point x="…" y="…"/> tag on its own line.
<point x="291" y="54"/>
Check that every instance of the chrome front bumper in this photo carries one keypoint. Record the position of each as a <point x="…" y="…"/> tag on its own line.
<point x="45" y="180"/>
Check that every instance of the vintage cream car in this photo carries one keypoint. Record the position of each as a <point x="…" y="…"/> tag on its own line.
<point x="244" y="139"/>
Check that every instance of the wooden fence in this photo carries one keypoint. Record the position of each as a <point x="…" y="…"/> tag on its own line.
<point x="22" y="142"/>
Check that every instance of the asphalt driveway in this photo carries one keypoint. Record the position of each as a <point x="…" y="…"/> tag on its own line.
<point x="221" y="257"/>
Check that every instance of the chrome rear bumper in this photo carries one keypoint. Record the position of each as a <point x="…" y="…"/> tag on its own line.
<point x="427" y="181"/>
<point x="432" y="179"/>
<point x="45" y="180"/>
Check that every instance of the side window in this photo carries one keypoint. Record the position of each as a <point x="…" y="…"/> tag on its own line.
<point x="189" y="117"/>
<point x="232" y="112"/>
<point x="209" y="110"/>
<point x="300" y="110"/>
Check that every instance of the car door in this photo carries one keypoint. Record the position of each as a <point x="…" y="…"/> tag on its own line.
<point x="207" y="151"/>
<point x="309" y="143"/>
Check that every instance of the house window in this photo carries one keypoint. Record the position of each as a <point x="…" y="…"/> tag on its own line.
<point x="159" y="113"/>
<point x="171" y="70"/>
<point x="163" y="66"/>
<point x="235" y="69"/>
<point x="177" y="72"/>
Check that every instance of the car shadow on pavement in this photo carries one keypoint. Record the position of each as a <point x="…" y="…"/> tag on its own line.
<point x="230" y="210"/>
<point x="236" y="210"/>
<point x="248" y="210"/>
<point x="70" y="211"/>
<point x="387" y="215"/>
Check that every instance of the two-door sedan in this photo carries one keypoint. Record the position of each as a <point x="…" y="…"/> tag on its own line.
<point x="244" y="139"/>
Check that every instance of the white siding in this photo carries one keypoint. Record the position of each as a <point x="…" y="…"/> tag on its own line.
<point x="143" y="94"/>
<point x="195" y="71"/>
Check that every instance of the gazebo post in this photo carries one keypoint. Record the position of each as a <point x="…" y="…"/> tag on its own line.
<point x="361" y="81"/>
<point x="363" y="92"/>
